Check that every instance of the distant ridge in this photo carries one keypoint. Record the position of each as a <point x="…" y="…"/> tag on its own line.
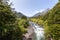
<point x="20" y="15"/>
<point x="41" y="13"/>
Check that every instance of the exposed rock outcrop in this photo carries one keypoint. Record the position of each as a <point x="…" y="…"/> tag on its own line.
<point x="29" y="35"/>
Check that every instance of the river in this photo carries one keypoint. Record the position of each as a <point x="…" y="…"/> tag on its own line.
<point x="38" y="31"/>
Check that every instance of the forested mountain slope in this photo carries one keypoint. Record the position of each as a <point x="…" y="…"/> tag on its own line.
<point x="51" y="22"/>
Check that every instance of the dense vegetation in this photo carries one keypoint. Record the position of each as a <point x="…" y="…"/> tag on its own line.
<point x="51" y="22"/>
<point x="11" y="27"/>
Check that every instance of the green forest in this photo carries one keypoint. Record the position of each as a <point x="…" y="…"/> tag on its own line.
<point x="13" y="27"/>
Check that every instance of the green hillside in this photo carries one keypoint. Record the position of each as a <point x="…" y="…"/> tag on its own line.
<point x="51" y="22"/>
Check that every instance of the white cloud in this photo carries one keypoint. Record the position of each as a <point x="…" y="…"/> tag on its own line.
<point x="36" y="11"/>
<point x="41" y="10"/>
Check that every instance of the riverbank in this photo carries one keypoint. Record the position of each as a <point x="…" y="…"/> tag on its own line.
<point x="29" y="34"/>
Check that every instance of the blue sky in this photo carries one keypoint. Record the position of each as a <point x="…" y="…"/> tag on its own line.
<point x="31" y="7"/>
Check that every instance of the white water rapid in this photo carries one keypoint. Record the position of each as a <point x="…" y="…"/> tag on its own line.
<point x="39" y="32"/>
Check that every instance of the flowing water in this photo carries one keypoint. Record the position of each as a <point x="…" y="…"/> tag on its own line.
<point x="39" y="32"/>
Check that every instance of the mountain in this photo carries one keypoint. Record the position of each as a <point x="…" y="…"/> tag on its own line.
<point x="20" y="15"/>
<point x="41" y="13"/>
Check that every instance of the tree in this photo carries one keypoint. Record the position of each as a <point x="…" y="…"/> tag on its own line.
<point x="53" y="23"/>
<point x="9" y="28"/>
